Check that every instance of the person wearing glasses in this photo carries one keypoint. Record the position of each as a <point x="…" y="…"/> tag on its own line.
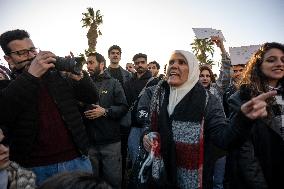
<point x="39" y="108"/>
<point x="259" y="161"/>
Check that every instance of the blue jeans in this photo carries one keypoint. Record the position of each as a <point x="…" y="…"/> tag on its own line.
<point x="107" y="156"/>
<point x="219" y="172"/>
<point x="3" y="178"/>
<point x="44" y="172"/>
<point x="134" y="142"/>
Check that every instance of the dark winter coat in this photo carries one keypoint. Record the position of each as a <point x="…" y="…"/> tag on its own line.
<point x="132" y="89"/>
<point x="19" y="109"/>
<point x="105" y="130"/>
<point x="126" y="76"/>
<point x="258" y="163"/>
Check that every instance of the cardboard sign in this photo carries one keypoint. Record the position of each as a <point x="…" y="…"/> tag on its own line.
<point x="241" y="55"/>
<point x="203" y="33"/>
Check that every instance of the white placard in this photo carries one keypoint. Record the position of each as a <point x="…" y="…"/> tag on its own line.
<point x="203" y="33"/>
<point x="241" y="55"/>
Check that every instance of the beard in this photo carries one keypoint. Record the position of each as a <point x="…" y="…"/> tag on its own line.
<point x="96" y="72"/>
<point x="141" y="70"/>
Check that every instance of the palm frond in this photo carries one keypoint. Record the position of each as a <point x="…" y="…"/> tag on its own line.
<point x="202" y="47"/>
<point x="91" y="12"/>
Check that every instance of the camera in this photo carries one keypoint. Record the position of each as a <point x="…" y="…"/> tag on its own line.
<point x="68" y="64"/>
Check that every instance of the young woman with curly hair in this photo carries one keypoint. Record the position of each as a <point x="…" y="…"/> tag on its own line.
<point x="259" y="161"/>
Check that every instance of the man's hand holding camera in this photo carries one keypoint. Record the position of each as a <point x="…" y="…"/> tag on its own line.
<point x="41" y="63"/>
<point x="75" y="76"/>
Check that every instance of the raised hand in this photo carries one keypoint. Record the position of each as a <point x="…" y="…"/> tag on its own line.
<point x="256" y="107"/>
<point x="219" y="42"/>
<point x="42" y="62"/>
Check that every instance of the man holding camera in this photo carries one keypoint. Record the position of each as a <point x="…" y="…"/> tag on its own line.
<point x="40" y="109"/>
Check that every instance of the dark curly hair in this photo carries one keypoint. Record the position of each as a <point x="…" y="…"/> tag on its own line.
<point x="254" y="82"/>
<point x="204" y="67"/>
<point x="139" y="55"/>
<point x="253" y="77"/>
<point x="114" y="47"/>
<point x="12" y="35"/>
<point x="100" y="58"/>
<point x="156" y="63"/>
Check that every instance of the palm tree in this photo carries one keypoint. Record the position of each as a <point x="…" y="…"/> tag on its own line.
<point x="201" y="47"/>
<point x="92" y="21"/>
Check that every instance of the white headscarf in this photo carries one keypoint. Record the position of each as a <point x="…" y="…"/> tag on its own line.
<point x="177" y="93"/>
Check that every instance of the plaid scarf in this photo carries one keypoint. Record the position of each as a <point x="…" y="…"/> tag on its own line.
<point x="275" y="120"/>
<point x="179" y="150"/>
<point x="278" y="112"/>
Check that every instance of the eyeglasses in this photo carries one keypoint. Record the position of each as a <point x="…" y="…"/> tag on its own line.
<point x="25" y="52"/>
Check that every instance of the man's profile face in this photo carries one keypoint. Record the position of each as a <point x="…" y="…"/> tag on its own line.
<point x="114" y="56"/>
<point x="93" y="65"/>
<point x="153" y="68"/>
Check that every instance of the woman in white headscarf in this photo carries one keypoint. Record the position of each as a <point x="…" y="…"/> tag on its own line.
<point x="177" y="111"/>
<point x="182" y="119"/>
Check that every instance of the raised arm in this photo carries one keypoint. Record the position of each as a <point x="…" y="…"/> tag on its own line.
<point x="224" y="78"/>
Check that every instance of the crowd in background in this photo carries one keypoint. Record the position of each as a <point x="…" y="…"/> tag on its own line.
<point x="64" y="127"/>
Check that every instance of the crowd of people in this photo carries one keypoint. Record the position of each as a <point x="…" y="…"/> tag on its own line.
<point x="65" y="127"/>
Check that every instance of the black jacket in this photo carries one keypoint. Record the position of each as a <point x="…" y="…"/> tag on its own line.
<point x="105" y="130"/>
<point x="226" y="96"/>
<point x="126" y="76"/>
<point x="258" y="163"/>
<point x="19" y="104"/>
<point x="132" y="89"/>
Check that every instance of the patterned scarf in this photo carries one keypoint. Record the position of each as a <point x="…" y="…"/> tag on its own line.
<point x="178" y="154"/>
<point x="278" y="112"/>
